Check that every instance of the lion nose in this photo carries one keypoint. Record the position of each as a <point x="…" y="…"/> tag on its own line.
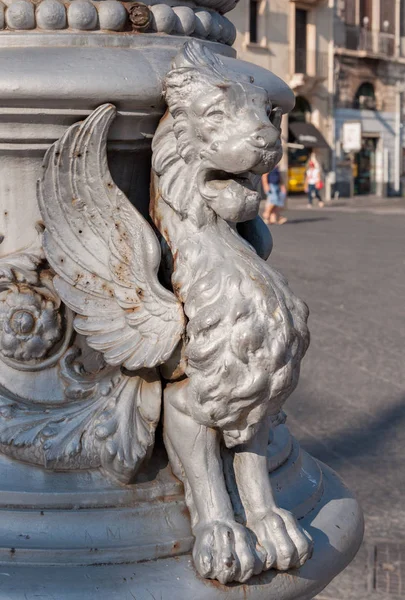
<point x="265" y="138"/>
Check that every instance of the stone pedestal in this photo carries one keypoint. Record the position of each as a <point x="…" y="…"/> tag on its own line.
<point x="76" y="534"/>
<point x="79" y="536"/>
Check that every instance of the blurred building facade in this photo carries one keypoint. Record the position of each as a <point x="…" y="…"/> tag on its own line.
<point x="345" y="61"/>
<point x="370" y="73"/>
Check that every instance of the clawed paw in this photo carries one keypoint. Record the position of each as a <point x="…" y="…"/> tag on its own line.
<point x="285" y="543"/>
<point x="226" y="552"/>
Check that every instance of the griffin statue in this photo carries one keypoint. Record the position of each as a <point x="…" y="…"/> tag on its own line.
<point x="179" y="304"/>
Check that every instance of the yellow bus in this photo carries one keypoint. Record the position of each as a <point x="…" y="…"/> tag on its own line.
<point x="297" y="164"/>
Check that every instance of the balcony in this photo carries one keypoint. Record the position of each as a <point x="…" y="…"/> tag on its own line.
<point x="376" y="44"/>
<point x="308" y="3"/>
<point x="309" y="72"/>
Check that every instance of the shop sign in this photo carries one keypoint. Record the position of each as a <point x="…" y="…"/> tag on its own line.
<point x="352" y="136"/>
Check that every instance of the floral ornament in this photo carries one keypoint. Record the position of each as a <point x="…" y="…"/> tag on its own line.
<point x="30" y="322"/>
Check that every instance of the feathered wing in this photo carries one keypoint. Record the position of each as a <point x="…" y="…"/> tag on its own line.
<point x="105" y="254"/>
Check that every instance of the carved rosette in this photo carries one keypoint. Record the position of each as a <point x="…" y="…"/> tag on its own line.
<point x="30" y="323"/>
<point x="34" y="326"/>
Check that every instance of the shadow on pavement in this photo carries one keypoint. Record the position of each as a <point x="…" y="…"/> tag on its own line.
<point x="309" y="220"/>
<point x="360" y="442"/>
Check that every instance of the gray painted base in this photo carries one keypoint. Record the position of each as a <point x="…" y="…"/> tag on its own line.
<point x="336" y="525"/>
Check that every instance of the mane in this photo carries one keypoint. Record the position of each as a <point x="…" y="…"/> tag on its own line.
<point x="243" y="354"/>
<point x="238" y="372"/>
<point x="170" y="168"/>
<point x="194" y="70"/>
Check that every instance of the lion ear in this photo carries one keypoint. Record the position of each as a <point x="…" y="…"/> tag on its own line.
<point x="195" y="55"/>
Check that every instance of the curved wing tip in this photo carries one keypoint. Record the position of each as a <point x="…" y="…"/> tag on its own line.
<point x="106" y="108"/>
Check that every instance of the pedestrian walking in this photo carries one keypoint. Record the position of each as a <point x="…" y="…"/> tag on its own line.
<point x="275" y="192"/>
<point x="313" y="184"/>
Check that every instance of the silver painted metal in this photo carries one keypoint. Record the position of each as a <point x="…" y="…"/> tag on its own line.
<point x="93" y="319"/>
<point x="246" y="332"/>
<point x="116" y="15"/>
<point x="106" y="258"/>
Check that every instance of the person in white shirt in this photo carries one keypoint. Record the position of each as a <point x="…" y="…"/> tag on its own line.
<point x="313" y="183"/>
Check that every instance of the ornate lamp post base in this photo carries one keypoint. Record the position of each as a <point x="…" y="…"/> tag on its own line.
<point x="94" y="338"/>
<point x="79" y="536"/>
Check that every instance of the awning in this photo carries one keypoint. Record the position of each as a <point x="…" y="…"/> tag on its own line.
<point x="308" y="135"/>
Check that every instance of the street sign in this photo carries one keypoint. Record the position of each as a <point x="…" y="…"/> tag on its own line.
<point x="351" y="136"/>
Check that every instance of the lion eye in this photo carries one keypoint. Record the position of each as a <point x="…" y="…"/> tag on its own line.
<point x="216" y="115"/>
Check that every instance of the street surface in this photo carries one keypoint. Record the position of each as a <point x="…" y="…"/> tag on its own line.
<point x="348" y="263"/>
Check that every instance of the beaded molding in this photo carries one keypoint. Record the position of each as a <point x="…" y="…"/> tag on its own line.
<point x="117" y="16"/>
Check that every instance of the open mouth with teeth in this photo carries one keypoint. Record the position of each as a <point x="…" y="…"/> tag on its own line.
<point x="234" y="197"/>
<point x="218" y="180"/>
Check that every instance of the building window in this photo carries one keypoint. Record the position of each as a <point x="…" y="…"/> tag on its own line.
<point x="253" y="21"/>
<point x="350" y="12"/>
<point x="365" y="97"/>
<point x="300" y="40"/>
<point x="301" y="111"/>
<point x="366" y="13"/>
<point x="402" y="24"/>
<point x="387" y="16"/>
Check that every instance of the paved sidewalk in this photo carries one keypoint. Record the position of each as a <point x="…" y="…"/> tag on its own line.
<point x="370" y="204"/>
<point x="349" y="408"/>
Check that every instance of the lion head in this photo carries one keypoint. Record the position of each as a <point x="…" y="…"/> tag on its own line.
<point x="225" y="125"/>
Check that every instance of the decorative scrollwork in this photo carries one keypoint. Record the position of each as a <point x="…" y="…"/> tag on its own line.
<point x="107" y="421"/>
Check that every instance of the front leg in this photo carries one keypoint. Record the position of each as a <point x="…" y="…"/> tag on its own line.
<point x="286" y="544"/>
<point x="223" y="549"/>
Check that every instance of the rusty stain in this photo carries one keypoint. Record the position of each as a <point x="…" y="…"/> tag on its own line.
<point x="140" y="16"/>
<point x="165" y="116"/>
<point x="133" y="309"/>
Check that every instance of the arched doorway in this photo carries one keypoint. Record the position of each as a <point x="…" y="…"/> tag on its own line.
<point x="301" y="111"/>
<point x="364" y="163"/>
<point x="298" y="155"/>
<point x="365" y="97"/>
<point x="305" y="141"/>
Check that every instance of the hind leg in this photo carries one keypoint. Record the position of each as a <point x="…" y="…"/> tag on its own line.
<point x="223" y="549"/>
